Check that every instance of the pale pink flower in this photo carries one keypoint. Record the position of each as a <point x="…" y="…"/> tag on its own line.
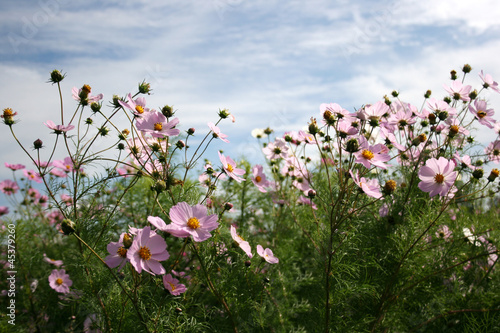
<point x="137" y="106"/>
<point x="58" y="129"/>
<point x="217" y="133"/>
<point x="75" y="92"/>
<point x="375" y="155"/>
<point x="276" y="149"/>
<point x="14" y="167"/>
<point x="259" y="178"/>
<point x="4" y="210"/>
<point x="302" y="200"/>
<point x="65" y="165"/>
<point x="439" y="106"/>
<point x="146" y="252"/>
<point x="32" y="175"/>
<point x="156" y="124"/>
<point x="187" y="221"/>
<point x="230" y="168"/>
<point x="117" y="254"/>
<point x="9" y="187"/>
<point x="457" y="91"/>
<point x="482" y="113"/>
<point x="488" y="82"/>
<point x="60" y="281"/>
<point x="493" y="151"/>
<point x="172" y="285"/>
<point x="54" y="262"/>
<point x="463" y="161"/>
<point x="267" y="255"/>
<point x="370" y="187"/>
<point x="336" y="110"/>
<point x="437" y="176"/>
<point x="373" y="113"/>
<point x="443" y="232"/>
<point x="243" y="244"/>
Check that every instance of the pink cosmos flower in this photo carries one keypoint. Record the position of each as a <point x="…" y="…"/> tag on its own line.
<point x="482" y="113"/>
<point x="267" y="255"/>
<point x="373" y="113"/>
<point x="146" y="252"/>
<point x="259" y="178"/>
<point x="243" y="244"/>
<point x="344" y="128"/>
<point x="14" y="167"/>
<point x="375" y="155"/>
<point x="60" y="281"/>
<point x="276" y="149"/>
<point x="302" y="200"/>
<point x="32" y="175"/>
<point x="156" y="124"/>
<point x="57" y="263"/>
<point x="370" y="187"/>
<point x="9" y="187"/>
<point x="458" y="91"/>
<point x="117" y="254"/>
<point x="188" y="221"/>
<point x="217" y="133"/>
<point x="488" y="82"/>
<point x="437" y="176"/>
<point x="229" y="167"/>
<point x="4" y="210"/>
<point x="335" y="110"/>
<point x="493" y="151"/>
<point x="137" y="106"/>
<point x="438" y="106"/>
<point x="172" y="285"/>
<point x="443" y="232"/>
<point x="58" y="129"/>
<point x="75" y="92"/>
<point x="65" y="165"/>
<point x="463" y="161"/>
<point x="402" y="118"/>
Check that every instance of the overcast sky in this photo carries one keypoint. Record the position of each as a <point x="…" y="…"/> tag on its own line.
<point x="271" y="63"/>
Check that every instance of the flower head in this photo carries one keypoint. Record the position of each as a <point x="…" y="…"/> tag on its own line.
<point x="437" y="176"/>
<point x="156" y="124"/>
<point x="9" y="187"/>
<point x="58" y="129"/>
<point x="230" y="168"/>
<point x="369" y="186"/>
<point x="57" y="263"/>
<point x="60" y="281"/>
<point x="117" y="254"/>
<point x="217" y="133"/>
<point x="137" y="106"/>
<point x="482" y="113"/>
<point x="188" y="221"/>
<point x="173" y="285"/>
<point x="267" y="255"/>
<point x="243" y="244"/>
<point x="146" y="252"/>
<point x="259" y="178"/>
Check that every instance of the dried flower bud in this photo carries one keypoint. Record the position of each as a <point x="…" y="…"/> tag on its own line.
<point x="390" y="186"/>
<point x="38" y="144"/>
<point x="467" y="68"/>
<point x="428" y="94"/>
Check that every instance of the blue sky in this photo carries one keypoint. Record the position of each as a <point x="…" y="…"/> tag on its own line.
<point x="271" y="63"/>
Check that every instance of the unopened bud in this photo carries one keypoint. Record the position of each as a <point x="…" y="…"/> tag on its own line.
<point x="67" y="227"/>
<point x="228" y="206"/>
<point x="311" y="194"/>
<point x="352" y="145"/>
<point x="190" y="131"/>
<point x="467" y="68"/>
<point x="493" y="175"/>
<point x="56" y="76"/>
<point x="127" y="241"/>
<point x="390" y="186"/>
<point x="38" y="144"/>
<point x="427" y="94"/>
<point x="478" y="173"/>
<point x="167" y="111"/>
<point x="453" y="75"/>
<point x="180" y="144"/>
<point x="313" y="127"/>
<point x="144" y="87"/>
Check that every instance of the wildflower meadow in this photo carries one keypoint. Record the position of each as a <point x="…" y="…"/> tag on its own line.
<point x="382" y="218"/>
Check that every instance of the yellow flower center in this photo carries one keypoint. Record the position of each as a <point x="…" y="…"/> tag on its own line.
<point x="86" y="88"/>
<point x="229" y="168"/>
<point x="193" y="223"/>
<point x="481" y="114"/>
<point x="122" y="252"/>
<point x="145" y="253"/>
<point x="172" y="286"/>
<point x="59" y="281"/>
<point x="454" y="129"/>
<point x="7" y="112"/>
<point x="258" y="179"/>
<point x="139" y="109"/>
<point x="367" y="154"/>
<point x="495" y="172"/>
<point x="439" y="178"/>
<point x="158" y="126"/>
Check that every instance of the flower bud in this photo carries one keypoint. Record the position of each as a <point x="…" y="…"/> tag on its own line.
<point x="390" y="186"/>
<point x="56" y="76"/>
<point x="224" y="113"/>
<point x="428" y="94"/>
<point x="493" y="175"/>
<point x="121" y="146"/>
<point x="127" y="241"/>
<point x="144" y="88"/>
<point x="167" y="111"/>
<point x="160" y="186"/>
<point x="311" y="194"/>
<point x="313" y="127"/>
<point x="95" y="106"/>
<point x="453" y="74"/>
<point x="352" y="145"/>
<point x="180" y="144"/>
<point x="394" y="93"/>
<point x="467" y="68"/>
<point x="478" y="173"/>
<point x="248" y="263"/>
<point x="8" y="116"/>
<point x="68" y="227"/>
<point x="38" y="144"/>
<point x="228" y="206"/>
<point x="103" y="131"/>
<point x="190" y="131"/>
<point x="473" y="94"/>
<point x="268" y="131"/>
